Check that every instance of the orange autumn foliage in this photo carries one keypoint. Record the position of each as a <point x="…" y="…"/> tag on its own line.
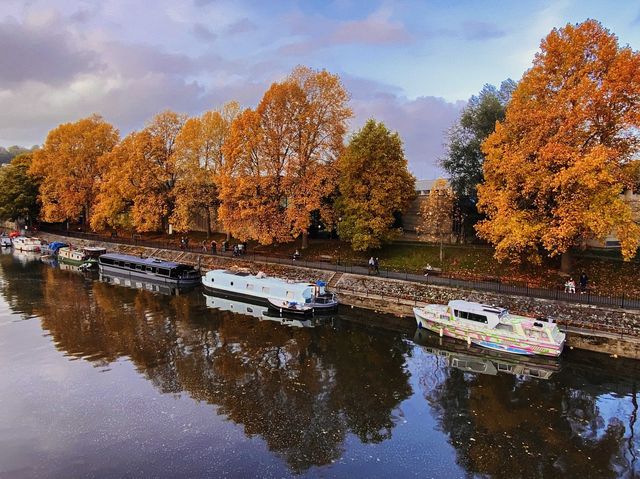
<point x="280" y="158"/>
<point x="69" y="168"/>
<point x="137" y="188"/>
<point x="557" y="164"/>
<point x="199" y="162"/>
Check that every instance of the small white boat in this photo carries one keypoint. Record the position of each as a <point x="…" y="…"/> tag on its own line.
<point x="22" y="243"/>
<point x="492" y="327"/>
<point x="5" y="242"/>
<point x="279" y="294"/>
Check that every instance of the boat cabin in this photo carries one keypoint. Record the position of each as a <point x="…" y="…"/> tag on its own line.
<point x="142" y="266"/>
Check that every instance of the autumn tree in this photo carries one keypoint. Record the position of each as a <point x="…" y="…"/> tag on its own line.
<point x="281" y="158"/>
<point x="464" y="158"/>
<point x="375" y="186"/>
<point x="18" y="190"/>
<point x="436" y="214"/>
<point x="199" y="162"/>
<point x="557" y="164"/>
<point x="140" y="174"/>
<point x="68" y="168"/>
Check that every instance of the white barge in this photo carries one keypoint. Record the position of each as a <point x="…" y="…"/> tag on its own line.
<point x="279" y="294"/>
<point x="22" y="243"/>
<point x="492" y="327"/>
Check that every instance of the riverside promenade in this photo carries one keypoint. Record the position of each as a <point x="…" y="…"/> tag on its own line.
<point x="598" y="323"/>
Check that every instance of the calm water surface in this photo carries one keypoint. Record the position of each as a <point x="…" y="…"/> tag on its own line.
<point x="102" y="380"/>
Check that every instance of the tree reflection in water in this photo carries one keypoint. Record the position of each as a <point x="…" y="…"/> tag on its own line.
<point x="301" y="390"/>
<point x="507" y="426"/>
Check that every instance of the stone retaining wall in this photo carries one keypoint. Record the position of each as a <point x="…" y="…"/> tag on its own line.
<point x="612" y="331"/>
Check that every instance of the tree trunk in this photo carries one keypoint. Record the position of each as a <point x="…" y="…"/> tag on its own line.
<point x="228" y="236"/>
<point x="441" y="249"/>
<point x="305" y="239"/>
<point x="208" y="215"/>
<point x="565" y="262"/>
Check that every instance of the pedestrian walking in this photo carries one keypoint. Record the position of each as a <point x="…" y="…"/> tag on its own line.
<point x="214" y="246"/>
<point x="296" y="255"/>
<point x="584" y="281"/>
<point x="372" y="265"/>
<point x="376" y="265"/>
<point x="204" y="246"/>
<point x="572" y="286"/>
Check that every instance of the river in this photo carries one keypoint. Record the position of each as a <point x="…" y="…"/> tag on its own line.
<point x="103" y="380"/>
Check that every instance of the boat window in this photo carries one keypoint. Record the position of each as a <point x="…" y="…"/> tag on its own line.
<point x="140" y="267"/>
<point x="163" y="271"/>
<point x="231" y="283"/>
<point x="480" y="318"/>
<point x="265" y="289"/>
<point x="106" y="260"/>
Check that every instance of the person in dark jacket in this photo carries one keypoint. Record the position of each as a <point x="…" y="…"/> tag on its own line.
<point x="584" y="280"/>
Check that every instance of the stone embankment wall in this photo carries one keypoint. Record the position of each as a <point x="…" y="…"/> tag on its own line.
<point x="611" y="331"/>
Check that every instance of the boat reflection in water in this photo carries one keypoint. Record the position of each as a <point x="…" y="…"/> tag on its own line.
<point x="261" y="312"/>
<point x="475" y="359"/>
<point x="147" y="284"/>
<point x="26" y="256"/>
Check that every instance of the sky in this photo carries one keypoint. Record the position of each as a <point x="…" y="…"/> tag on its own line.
<point x="409" y="64"/>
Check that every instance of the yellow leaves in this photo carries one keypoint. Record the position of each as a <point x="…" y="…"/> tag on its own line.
<point x="69" y="167"/>
<point x="556" y="166"/>
<point x="436" y="212"/>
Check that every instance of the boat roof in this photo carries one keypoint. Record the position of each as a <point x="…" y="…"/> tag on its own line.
<point x="140" y="260"/>
<point x="471" y="306"/>
<point x="94" y="248"/>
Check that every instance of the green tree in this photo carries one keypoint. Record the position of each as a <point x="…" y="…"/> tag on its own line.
<point x="18" y="190"/>
<point x="463" y="159"/>
<point x="375" y="186"/>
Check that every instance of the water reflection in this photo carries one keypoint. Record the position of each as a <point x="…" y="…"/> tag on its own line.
<point x="517" y="425"/>
<point x="261" y="312"/>
<point x="300" y="389"/>
<point x="312" y="393"/>
<point x="474" y="359"/>
<point x="148" y="284"/>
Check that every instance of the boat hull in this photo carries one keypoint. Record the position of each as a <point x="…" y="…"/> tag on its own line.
<point x="485" y="338"/>
<point x="259" y="300"/>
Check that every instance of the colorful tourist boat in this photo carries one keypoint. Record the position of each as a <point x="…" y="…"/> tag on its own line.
<point x="492" y="327"/>
<point x="85" y="257"/>
<point x="148" y="268"/>
<point x="24" y="243"/>
<point x="280" y="294"/>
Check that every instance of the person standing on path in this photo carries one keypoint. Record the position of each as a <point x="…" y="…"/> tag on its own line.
<point x="584" y="280"/>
